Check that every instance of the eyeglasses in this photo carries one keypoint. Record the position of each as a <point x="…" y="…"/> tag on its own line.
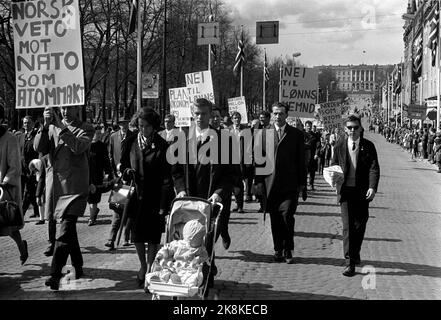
<point x="353" y="127"/>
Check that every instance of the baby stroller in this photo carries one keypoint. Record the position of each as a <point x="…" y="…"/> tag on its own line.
<point x="183" y="210"/>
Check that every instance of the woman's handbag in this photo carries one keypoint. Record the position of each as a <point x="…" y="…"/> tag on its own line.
<point x="121" y="192"/>
<point x="10" y="215"/>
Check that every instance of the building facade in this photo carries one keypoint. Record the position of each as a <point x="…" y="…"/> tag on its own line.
<point x="361" y="79"/>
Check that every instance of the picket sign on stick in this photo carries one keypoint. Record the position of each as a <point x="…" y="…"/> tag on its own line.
<point x="48" y="53"/>
<point x="299" y="90"/>
<point x="238" y="104"/>
<point x="200" y="85"/>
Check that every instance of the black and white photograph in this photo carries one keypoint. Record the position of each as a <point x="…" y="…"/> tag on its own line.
<point x="226" y="156"/>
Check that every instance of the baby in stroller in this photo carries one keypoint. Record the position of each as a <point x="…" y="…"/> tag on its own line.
<point x="180" y="261"/>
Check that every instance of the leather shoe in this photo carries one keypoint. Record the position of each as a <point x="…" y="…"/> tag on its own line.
<point x="110" y="244"/>
<point x="226" y="241"/>
<point x="25" y="255"/>
<point x="304" y="194"/>
<point x="349" y="271"/>
<point x="240" y="210"/>
<point x="39" y="222"/>
<point x="289" y="257"/>
<point x="53" y="283"/>
<point x="278" y="257"/>
<point x="49" y="251"/>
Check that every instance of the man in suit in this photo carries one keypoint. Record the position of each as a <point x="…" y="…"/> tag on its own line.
<point x="67" y="143"/>
<point x="312" y="148"/>
<point x="285" y="182"/>
<point x="210" y="180"/>
<point x="169" y="134"/>
<point x="358" y="159"/>
<point x="115" y="141"/>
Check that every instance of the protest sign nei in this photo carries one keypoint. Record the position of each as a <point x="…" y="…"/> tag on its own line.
<point x="48" y="54"/>
<point x="330" y="114"/>
<point x="200" y="85"/>
<point x="299" y="90"/>
<point x="180" y="106"/>
<point x="238" y="104"/>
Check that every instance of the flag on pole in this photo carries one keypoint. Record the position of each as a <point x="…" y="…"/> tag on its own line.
<point x="240" y="57"/>
<point x="265" y="66"/>
<point x="417" y="58"/>
<point x="397" y="80"/>
<point x="212" y="18"/>
<point x="133" y="15"/>
<point x="433" y="35"/>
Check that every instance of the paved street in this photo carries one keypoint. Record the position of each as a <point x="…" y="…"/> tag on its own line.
<point x="402" y="244"/>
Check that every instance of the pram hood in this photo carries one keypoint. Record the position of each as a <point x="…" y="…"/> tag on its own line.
<point x="184" y="210"/>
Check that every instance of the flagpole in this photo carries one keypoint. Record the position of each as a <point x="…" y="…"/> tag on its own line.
<point x="401" y="92"/>
<point x="438" y="71"/>
<point x="241" y="65"/>
<point x="139" y="59"/>
<point x="264" y="81"/>
<point x="209" y="56"/>
<point x="280" y="78"/>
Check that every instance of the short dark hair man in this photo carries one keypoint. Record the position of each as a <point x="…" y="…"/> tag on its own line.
<point x="285" y="182"/>
<point x="358" y="159"/>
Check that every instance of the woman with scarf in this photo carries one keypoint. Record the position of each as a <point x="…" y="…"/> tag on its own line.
<point x="145" y="153"/>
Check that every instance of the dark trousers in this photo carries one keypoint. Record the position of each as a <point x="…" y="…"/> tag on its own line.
<point x="52" y="230"/>
<point x="65" y="245"/>
<point x="116" y="223"/>
<point x="30" y="188"/>
<point x="354" y="214"/>
<point x="282" y="210"/>
<point x="238" y="193"/>
<point x="224" y="218"/>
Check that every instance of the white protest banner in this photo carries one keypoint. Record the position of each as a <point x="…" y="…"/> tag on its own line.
<point x="200" y="85"/>
<point x="330" y="114"/>
<point x="48" y="54"/>
<point x="180" y="106"/>
<point x="238" y="104"/>
<point x="299" y="90"/>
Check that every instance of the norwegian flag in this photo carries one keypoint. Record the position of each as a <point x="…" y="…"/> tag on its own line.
<point x="434" y="34"/>
<point x="265" y="66"/>
<point x="240" y="57"/>
<point x="417" y="58"/>
<point x="133" y="15"/>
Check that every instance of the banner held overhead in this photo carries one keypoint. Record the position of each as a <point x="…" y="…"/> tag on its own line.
<point x="48" y="53"/>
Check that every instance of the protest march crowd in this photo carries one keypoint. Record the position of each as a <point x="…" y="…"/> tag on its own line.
<point x="63" y="164"/>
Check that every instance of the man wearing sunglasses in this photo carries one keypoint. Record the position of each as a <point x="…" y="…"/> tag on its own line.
<point x="358" y="159"/>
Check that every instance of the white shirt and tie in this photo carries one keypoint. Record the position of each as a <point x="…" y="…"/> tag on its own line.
<point x="353" y="150"/>
<point x="280" y="130"/>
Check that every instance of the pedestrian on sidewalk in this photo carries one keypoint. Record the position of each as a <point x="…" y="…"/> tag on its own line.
<point x="10" y="183"/>
<point x="437" y="150"/>
<point x="358" y="159"/>
<point x="66" y="141"/>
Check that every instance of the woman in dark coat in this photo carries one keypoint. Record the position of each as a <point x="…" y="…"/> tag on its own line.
<point x="145" y="153"/>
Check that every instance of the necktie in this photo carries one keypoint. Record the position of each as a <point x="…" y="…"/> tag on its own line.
<point x="353" y="146"/>
<point x="279" y="132"/>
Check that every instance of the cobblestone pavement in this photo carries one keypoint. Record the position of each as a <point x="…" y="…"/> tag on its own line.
<point x="402" y="246"/>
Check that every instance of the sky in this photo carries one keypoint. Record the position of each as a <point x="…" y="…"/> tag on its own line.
<point x="328" y="32"/>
